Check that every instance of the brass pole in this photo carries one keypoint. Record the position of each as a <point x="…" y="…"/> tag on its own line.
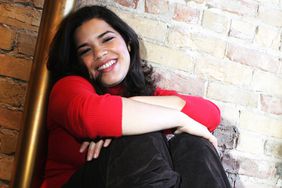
<point x="33" y="122"/>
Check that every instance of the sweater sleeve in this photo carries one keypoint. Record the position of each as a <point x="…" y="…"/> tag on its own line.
<point x="198" y="108"/>
<point x="74" y="105"/>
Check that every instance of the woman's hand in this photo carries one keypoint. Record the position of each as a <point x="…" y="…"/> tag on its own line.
<point x="94" y="148"/>
<point x="198" y="129"/>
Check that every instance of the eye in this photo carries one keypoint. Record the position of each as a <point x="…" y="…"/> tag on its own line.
<point x="106" y="39"/>
<point x="84" y="51"/>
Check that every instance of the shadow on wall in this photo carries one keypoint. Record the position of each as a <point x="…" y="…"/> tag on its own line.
<point x="227" y="140"/>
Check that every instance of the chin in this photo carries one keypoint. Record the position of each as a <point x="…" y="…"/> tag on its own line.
<point x="111" y="84"/>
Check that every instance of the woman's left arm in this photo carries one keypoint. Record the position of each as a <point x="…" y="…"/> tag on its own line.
<point x="198" y="108"/>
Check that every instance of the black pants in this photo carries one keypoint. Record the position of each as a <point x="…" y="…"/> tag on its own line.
<point x="150" y="161"/>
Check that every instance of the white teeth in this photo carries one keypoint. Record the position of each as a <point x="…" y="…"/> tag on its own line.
<point x="106" y="65"/>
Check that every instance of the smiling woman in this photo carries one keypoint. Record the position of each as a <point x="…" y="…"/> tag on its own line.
<point x="103" y="51"/>
<point x="104" y="100"/>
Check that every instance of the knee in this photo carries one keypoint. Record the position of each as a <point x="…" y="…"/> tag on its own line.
<point x="186" y="142"/>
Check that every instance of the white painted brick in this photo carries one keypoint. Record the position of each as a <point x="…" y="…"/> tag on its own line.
<point x="169" y="57"/>
<point x="261" y="123"/>
<point x="208" y="44"/>
<point x="252" y="57"/>
<point x="242" y="7"/>
<point x="227" y="72"/>
<point x="215" y="22"/>
<point x="271" y="104"/>
<point x="242" y="29"/>
<point x="267" y="83"/>
<point x="229" y="113"/>
<point x="273" y="147"/>
<point x="252" y="182"/>
<point x="252" y="165"/>
<point x="231" y="94"/>
<point x="179" y="37"/>
<point x="269" y="2"/>
<point x="180" y="82"/>
<point x="268" y="37"/>
<point x="250" y="143"/>
<point x="271" y="16"/>
<point x="155" y="30"/>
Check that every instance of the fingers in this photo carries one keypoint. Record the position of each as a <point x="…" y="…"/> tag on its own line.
<point x="107" y="142"/>
<point x="83" y="146"/>
<point x="94" y="148"/>
<point x="98" y="148"/>
<point x="91" y="150"/>
<point x="213" y="140"/>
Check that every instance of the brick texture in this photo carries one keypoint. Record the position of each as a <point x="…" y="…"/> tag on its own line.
<point x="8" y="141"/>
<point x="26" y="43"/>
<point x="157" y="6"/>
<point x="128" y="3"/>
<point x="10" y="118"/>
<point x="7" y="38"/>
<point x="12" y="93"/>
<point x="15" y="67"/>
<point x="23" y="17"/>
<point x="186" y="14"/>
<point x="6" y="165"/>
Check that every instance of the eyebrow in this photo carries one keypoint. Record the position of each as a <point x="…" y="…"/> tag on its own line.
<point x="99" y="36"/>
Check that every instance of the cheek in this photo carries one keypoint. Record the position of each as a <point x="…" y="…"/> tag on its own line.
<point x="86" y="61"/>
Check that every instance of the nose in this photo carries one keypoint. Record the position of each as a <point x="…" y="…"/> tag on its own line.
<point x="100" y="54"/>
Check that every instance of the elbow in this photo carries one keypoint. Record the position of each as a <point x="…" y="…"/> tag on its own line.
<point x="215" y="118"/>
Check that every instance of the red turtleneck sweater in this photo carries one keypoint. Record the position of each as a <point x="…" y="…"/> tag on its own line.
<point x="76" y="112"/>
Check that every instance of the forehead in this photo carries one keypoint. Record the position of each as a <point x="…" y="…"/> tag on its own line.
<point x="93" y="27"/>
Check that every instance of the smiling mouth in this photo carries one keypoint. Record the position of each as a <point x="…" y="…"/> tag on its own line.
<point x="106" y="65"/>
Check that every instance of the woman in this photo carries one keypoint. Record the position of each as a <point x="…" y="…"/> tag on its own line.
<point x="103" y="92"/>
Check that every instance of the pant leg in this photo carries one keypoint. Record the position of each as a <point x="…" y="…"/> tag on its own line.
<point x="141" y="161"/>
<point x="91" y="174"/>
<point x="197" y="162"/>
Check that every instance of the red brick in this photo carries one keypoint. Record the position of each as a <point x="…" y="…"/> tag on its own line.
<point x="156" y="6"/>
<point x="8" y="141"/>
<point x="10" y="118"/>
<point x="12" y="93"/>
<point x="6" y="166"/>
<point x="186" y="14"/>
<point x="7" y="38"/>
<point x="128" y="3"/>
<point x="271" y="104"/>
<point x="252" y="58"/>
<point x="26" y="43"/>
<point x="20" y="16"/>
<point x="15" y="67"/>
<point x="38" y="3"/>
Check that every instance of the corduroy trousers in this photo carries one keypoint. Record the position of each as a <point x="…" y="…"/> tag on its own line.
<point x="151" y="161"/>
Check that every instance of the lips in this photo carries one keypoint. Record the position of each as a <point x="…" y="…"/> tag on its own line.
<point x="106" y="65"/>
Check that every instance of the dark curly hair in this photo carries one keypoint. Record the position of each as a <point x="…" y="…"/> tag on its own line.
<point x="63" y="59"/>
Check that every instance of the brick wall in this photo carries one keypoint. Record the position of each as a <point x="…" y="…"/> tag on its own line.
<point x="229" y="51"/>
<point x="19" y="22"/>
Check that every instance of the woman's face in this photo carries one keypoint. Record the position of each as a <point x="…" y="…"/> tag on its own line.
<point x="103" y="51"/>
